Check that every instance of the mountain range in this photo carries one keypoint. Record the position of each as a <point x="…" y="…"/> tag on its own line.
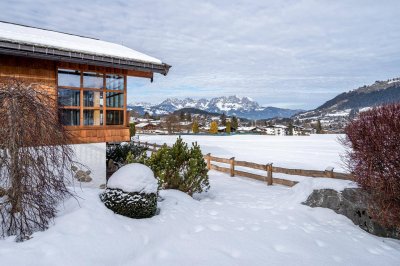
<point x="230" y="105"/>
<point x="354" y="101"/>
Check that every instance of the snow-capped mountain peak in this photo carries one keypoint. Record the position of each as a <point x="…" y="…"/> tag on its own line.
<point x="230" y="105"/>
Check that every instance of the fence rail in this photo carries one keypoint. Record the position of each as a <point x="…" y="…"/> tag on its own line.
<point x="268" y="168"/>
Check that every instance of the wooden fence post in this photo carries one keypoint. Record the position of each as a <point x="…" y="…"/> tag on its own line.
<point x="209" y="161"/>
<point x="138" y="143"/>
<point x="232" y="168"/>
<point x="329" y="172"/>
<point x="269" y="174"/>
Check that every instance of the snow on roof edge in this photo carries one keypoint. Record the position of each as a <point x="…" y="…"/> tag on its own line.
<point x="23" y="34"/>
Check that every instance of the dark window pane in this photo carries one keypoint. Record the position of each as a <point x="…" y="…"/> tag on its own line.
<point x="69" y="117"/>
<point x="70" y="78"/>
<point x="92" y="99"/>
<point x="68" y="97"/>
<point x="93" y="80"/>
<point x="115" y="117"/>
<point x="114" y="82"/>
<point x="115" y="99"/>
<point x="93" y="117"/>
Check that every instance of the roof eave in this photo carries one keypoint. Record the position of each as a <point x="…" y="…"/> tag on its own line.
<point x="41" y="52"/>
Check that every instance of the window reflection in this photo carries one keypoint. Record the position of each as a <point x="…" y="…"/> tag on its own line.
<point x="67" y="97"/>
<point x="115" y="117"/>
<point x="92" y="80"/>
<point x="70" y="117"/>
<point x="114" y="82"/>
<point x="92" y="98"/>
<point x="115" y="99"/>
<point x="93" y="117"/>
<point x="69" y="78"/>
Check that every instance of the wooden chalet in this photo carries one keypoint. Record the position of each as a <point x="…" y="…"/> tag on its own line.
<point x="88" y="77"/>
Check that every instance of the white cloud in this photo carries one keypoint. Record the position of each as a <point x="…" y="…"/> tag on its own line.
<point x="277" y="52"/>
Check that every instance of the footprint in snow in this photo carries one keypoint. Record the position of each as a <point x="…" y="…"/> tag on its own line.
<point x="280" y="248"/>
<point x="320" y="243"/>
<point x="375" y="251"/>
<point x="283" y="227"/>
<point x="213" y="213"/>
<point x="337" y="258"/>
<point x="215" y="227"/>
<point x="198" y="229"/>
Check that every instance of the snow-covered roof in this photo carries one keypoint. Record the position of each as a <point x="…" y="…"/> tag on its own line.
<point x="48" y="43"/>
<point x="29" y="35"/>
<point x="140" y="125"/>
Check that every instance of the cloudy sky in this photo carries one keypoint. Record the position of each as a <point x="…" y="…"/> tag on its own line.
<point x="284" y="53"/>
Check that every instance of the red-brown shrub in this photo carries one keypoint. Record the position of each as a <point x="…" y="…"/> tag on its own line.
<point x="373" y="157"/>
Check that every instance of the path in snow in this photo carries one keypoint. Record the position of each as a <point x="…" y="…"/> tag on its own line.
<point x="238" y="222"/>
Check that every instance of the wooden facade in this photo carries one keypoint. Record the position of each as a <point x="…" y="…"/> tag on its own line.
<point x="44" y="72"/>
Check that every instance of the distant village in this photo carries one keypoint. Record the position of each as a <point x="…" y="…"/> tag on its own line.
<point x="187" y="123"/>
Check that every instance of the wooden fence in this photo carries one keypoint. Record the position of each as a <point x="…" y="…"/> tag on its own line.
<point x="268" y="168"/>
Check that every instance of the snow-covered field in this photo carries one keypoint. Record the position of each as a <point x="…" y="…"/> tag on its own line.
<point x="315" y="152"/>
<point x="238" y="222"/>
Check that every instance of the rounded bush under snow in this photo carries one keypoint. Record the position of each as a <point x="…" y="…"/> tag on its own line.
<point x="132" y="191"/>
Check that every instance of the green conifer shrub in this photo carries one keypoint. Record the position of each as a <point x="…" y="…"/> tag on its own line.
<point x="179" y="167"/>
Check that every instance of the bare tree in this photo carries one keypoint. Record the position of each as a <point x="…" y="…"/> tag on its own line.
<point x="35" y="160"/>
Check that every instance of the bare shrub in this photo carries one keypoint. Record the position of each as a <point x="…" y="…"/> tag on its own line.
<point x="34" y="159"/>
<point x="373" y="156"/>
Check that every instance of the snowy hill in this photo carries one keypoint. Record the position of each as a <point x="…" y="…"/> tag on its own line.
<point x="230" y="105"/>
<point x="347" y="104"/>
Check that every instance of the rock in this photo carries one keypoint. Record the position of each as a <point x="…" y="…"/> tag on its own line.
<point x="88" y="172"/>
<point x="74" y="168"/>
<point x="82" y="176"/>
<point x="352" y="203"/>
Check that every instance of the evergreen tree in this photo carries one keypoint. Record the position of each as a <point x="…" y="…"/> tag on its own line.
<point x="132" y="130"/>
<point x="195" y="127"/>
<point x="319" y="127"/>
<point x="189" y="117"/>
<point x="182" y="116"/>
<point x="235" y="123"/>
<point x="223" y="119"/>
<point x="290" y="129"/>
<point x="214" y="127"/>
<point x="180" y="167"/>
<point x="146" y="115"/>
<point x="228" y="127"/>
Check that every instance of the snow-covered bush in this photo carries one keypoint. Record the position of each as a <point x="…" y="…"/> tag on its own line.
<point x="374" y="158"/>
<point x="180" y="167"/>
<point x="132" y="191"/>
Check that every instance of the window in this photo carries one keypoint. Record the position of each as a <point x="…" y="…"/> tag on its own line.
<point x="115" y="99"/>
<point x="69" y="78"/>
<point x="115" y="82"/>
<point x="92" y="98"/>
<point x="70" y="117"/>
<point x="93" y="117"/>
<point x="93" y="80"/>
<point x="84" y="100"/>
<point x="115" y="117"/>
<point x="67" y="97"/>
